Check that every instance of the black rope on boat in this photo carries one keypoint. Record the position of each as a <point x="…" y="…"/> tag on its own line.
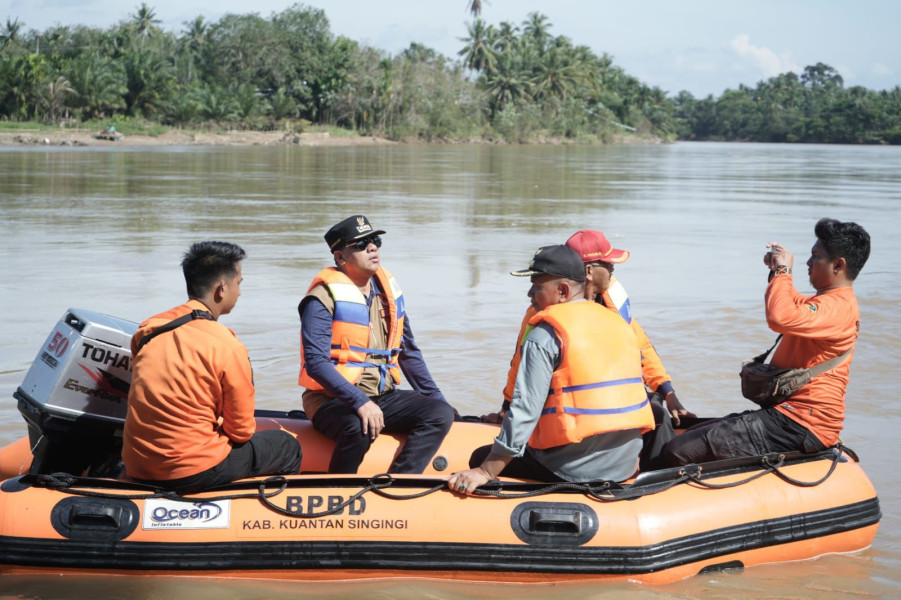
<point x="604" y="491"/>
<point x="771" y="463"/>
<point x="373" y="486"/>
<point x="66" y="482"/>
<point x="380" y="490"/>
<point x="836" y="457"/>
<point x="767" y="460"/>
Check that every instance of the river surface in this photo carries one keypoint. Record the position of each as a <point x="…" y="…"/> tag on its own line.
<point x="104" y="229"/>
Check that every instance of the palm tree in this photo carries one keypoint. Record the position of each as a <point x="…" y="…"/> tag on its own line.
<point x="248" y="103"/>
<point x="282" y="105"/>
<point x="54" y="98"/>
<point x="216" y="104"/>
<point x="194" y="41"/>
<point x="148" y="78"/>
<point x="507" y="84"/>
<point x="506" y="37"/>
<point x="20" y="78"/>
<point x="477" y="53"/>
<point x="99" y="85"/>
<point x="10" y="36"/>
<point x="535" y="30"/>
<point x="475" y="7"/>
<point x="144" y="21"/>
<point x="557" y="75"/>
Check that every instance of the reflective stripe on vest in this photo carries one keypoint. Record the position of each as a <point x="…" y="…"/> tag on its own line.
<point x="351" y="328"/>
<point x="615" y="298"/>
<point x="597" y="387"/>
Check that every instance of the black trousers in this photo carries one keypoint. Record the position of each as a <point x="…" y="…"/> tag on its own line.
<point x="424" y="419"/>
<point x="749" y="433"/>
<point x="271" y="452"/>
<point x="521" y="467"/>
<point x="653" y="442"/>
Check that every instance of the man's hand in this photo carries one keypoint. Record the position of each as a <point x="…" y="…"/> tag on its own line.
<point x="373" y="419"/>
<point x="491" y="418"/>
<point x="675" y="408"/>
<point x="466" y="482"/>
<point x="778" y="256"/>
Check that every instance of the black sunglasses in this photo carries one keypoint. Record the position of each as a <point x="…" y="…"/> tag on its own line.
<point x="364" y="243"/>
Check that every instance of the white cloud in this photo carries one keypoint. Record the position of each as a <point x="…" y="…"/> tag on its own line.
<point x="769" y="62"/>
<point x="881" y="70"/>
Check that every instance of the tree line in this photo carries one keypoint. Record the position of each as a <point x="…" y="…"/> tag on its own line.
<point x="514" y="83"/>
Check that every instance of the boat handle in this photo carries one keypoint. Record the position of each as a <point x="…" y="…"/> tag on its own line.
<point x="95" y="517"/>
<point x="551" y="522"/>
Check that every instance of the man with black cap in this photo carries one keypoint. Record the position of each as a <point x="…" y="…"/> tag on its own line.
<point x="579" y="405"/>
<point x="356" y="339"/>
<point x="599" y="258"/>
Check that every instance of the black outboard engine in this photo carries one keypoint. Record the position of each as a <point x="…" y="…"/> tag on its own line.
<point x="74" y="396"/>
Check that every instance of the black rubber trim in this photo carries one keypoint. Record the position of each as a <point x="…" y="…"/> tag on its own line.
<point x="301" y="555"/>
<point x="100" y="519"/>
<point x="554" y="524"/>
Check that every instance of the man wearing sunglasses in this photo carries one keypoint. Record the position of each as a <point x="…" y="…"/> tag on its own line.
<point x="356" y="340"/>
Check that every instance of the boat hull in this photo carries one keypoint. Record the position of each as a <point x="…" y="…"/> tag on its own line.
<point x="410" y="526"/>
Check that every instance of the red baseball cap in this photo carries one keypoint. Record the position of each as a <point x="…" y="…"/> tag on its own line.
<point x="592" y="246"/>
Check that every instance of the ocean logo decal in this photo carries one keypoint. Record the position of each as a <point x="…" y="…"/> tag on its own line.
<point x="169" y="514"/>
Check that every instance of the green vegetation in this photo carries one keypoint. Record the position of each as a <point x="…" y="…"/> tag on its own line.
<point x="508" y="83"/>
<point x="815" y="107"/>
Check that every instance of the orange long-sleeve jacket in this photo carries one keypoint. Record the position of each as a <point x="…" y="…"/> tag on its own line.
<point x="814" y="329"/>
<point x="191" y="398"/>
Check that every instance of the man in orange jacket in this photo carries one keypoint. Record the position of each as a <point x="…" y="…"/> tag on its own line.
<point x="190" y="422"/>
<point x="814" y="329"/>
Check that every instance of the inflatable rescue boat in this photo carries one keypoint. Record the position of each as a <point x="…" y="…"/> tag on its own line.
<point x="65" y="508"/>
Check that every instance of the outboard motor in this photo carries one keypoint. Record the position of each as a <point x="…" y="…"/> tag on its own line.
<point x="74" y="397"/>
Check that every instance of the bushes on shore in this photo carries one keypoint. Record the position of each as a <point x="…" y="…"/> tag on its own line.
<point x="509" y="83"/>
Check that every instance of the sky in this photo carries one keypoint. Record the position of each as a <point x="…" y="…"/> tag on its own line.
<point x="702" y="46"/>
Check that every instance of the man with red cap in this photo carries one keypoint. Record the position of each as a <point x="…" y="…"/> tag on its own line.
<point x="580" y="407"/>
<point x="598" y="257"/>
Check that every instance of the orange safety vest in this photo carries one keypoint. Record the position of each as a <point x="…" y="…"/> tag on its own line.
<point x="617" y="300"/>
<point x="351" y="326"/>
<point x="598" y="387"/>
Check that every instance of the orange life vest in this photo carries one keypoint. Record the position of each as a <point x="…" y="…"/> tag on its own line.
<point x="617" y="300"/>
<point x="524" y="330"/>
<point x="351" y="326"/>
<point x="598" y="386"/>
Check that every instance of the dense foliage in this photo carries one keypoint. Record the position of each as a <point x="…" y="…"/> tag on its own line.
<point x="508" y="82"/>
<point x="815" y="107"/>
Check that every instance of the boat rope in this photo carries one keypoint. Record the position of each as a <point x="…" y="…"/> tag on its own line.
<point x="67" y="483"/>
<point x="771" y="464"/>
<point x="604" y="491"/>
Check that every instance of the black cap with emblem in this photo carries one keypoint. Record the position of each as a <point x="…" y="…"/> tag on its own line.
<point x="349" y="230"/>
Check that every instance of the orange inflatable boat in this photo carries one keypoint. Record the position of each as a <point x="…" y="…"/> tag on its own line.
<point x="663" y="526"/>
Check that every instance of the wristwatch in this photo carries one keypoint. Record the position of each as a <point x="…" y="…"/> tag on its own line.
<point x="782" y="269"/>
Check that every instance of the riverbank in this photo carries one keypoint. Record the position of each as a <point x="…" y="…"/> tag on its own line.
<point x="180" y="137"/>
<point x="174" y="137"/>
